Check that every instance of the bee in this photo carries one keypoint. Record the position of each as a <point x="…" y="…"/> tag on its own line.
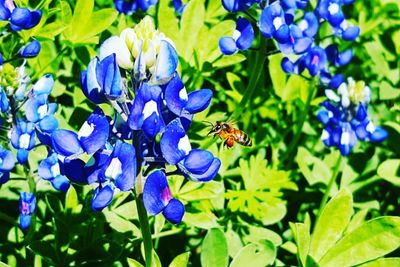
<point x="230" y="134"/>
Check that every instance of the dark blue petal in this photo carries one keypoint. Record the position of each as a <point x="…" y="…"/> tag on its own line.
<point x="124" y="157"/>
<point x="90" y="86"/>
<point x="22" y="156"/>
<point x="166" y="64"/>
<point x="344" y="57"/>
<point x="336" y="81"/>
<point x="4" y="12"/>
<point x="24" y="221"/>
<point x="176" y="95"/>
<point x="156" y="193"/>
<point x="198" y="100"/>
<point x="361" y="113"/>
<point x="287" y="65"/>
<point x="36" y="15"/>
<point x="227" y="45"/>
<point x="102" y="197"/>
<point x="174" y="211"/>
<point x="336" y="19"/>
<point x="282" y="35"/>
<point x="198" y="161"/>
<point x="94" y="132"/>
<point x="109" y="77"/>
<point x="61" y="183"/>
<point x="20" y="17"/>
<point x="246" y="38"/>
<point x="66" y="143"/>
<point x="231" y="5"/>
<point x="4" y="177"/>
<point x="30" y="50"/>
<point x="174" y="142"/>
<point x="74" y="170"/>
<point x="209" y="174"/>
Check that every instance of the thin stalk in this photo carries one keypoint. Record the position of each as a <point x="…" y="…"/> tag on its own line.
<point x="328" y="189"/>
<point x="145" y="230"/>
<point x="304" y="113"/>
<point x="254" y="78"/>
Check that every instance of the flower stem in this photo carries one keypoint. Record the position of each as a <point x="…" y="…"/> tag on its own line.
<point x="329" y="187"/>
<point x="145" y="229"/>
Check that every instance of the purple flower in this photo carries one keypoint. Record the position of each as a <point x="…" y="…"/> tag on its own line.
<point x="27" y="205"/>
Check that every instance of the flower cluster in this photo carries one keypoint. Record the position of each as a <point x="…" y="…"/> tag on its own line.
<point x="136" y="73"/>
<point x="131" y="6"/>
<point x="346" y="119"/>
<point x="295" y="31"/>
<point x="19" y="18"/>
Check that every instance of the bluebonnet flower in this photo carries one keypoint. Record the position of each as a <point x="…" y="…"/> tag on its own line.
<point x="179" y="6"/>
<point x="7" y="163"/>
<point x="136" y="73"/>
<point x="346" y="119"/>
<point x="30" y="50"/>
<point x="39" y="111"/>
<point x="27" y="205"/>
<point x="242" y="38"/>
<point x="49" y="169"/>
<point x="23" y="138"/>
<point x="236" y="5"/>
<point x="130" y="6"/>
<point x="4" y="103"/>
<point x="19" y="18"/>
<point x="157" y="198"/>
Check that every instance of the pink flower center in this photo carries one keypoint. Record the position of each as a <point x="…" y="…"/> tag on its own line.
<point x="166" y="195"/>
<point x="24" y="208"/>
<point x="315" y="60"/>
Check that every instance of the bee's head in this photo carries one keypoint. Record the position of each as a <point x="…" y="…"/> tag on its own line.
<point x="216" y="128"/>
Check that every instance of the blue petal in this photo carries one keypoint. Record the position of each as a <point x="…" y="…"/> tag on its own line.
<point x="61" y="183"/>
<point x="198" y="161"/>
<point x="227" y="45"/>
<point x="302" y="45"/>
<point x="109" y="77"/>
<point x="336" y="81"/>
<point x="74" y="170"/>
<point x="361" y="113"/>
<point x="282" y="35"/>
<point x="35" y="17"/>
<point x="312" y="23"/>
<point x="30" y="50"/>
<point x="209" y="174"/>
<point x="246" y="34"/>
<point x="351" y="33"/>
<point x="379" y="135"/>
<point x="22" y="156"/>
<point x="336" y="19"/>
<point x="24" y="221"/>
<point x="267" y="17"/>
<point x="20" y="17"/>
<point x="344" y="57"/>
<point x="166" y="64"/>
<point x="156" y="194"/>
<point x="176" y="95"/>
<point x="4" y="12"/>
<point x="127" y="156"/>
<point x="66" y="143"/>
<point x="198" y="100"/>
<point x="94" y="132"/>
<point x="46" y="168"/>
<point x="4" y="177"/>
<point x="287" y="65"/>
<point x="174" y="211"/>
<point x="90" y="86"/>
<point x="231" y="5"/>
<point x="44" y="85"/>
<point x="323" y="116"/>
<point x="7" y="159"/>
<point x="48" y="124"/>
<point x="174" y="142"/>
<point x="102" y="197"/>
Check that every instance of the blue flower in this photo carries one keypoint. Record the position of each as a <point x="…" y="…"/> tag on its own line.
<point x="178" y="6"/>
<point x="4" y="104"/>
<point x="338" y="58"/>
<point x="272" y="22"/>
<point x="27" y="205"/>
<point x="146" y="110"/>
<point x="117" y="170"/>
<point x="157" y="198"/>
<point x="236" y="5"/>
<point x="39" y="111"/>
<point x="43" y="86"/>
<point x="130" y="6"/>
<point x="196" y="164"/>
<point x="20" y="18"/>
<point x="91" y="137"/>
<point x="7" y="163"/>
<point x="49" y="169"/>
<point x="30" y="50"/>
<point x="291" y="39"/>
<point x="242" y="38"/>
<point x="23" y="138"/>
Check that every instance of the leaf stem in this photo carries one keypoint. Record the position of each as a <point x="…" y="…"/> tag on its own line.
<point x="254" y="78"/>
<point x="335" y="173"/>
<point x="145" y="229"/>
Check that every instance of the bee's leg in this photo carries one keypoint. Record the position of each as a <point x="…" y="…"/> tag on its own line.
<point x="229" y="142"/>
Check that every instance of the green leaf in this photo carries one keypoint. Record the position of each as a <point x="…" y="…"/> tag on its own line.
<point x="169" y="25"/>
<point x="387" y="92"/>
<point x="260" y="254"/>
<point x="214" y="250"/>
<point x="234" y="242"/>
<point x="226" y="61"/>
<point x="71" y="198"/>
<point x="383" y="262"/>
<point x="45" y="250"/>
<point x="313" y="168"/>
<point x="332" y="222"/>
<point x="66" y="12"/>
<point x="204" y="220"/>
<point x="192" y="191"/>
<point x="191" y="22"/>
<point x="82" y="13"/>
<point x="301" y="233"/>
<point x="134" y="263"/>
<point x="388" y="170"/>
<point x="181" y="260"/>
<point x="278" y="77"/>
<point x="372" y="240"/>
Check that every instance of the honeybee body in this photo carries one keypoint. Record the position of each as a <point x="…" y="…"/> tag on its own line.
<point x="230" y="134"/>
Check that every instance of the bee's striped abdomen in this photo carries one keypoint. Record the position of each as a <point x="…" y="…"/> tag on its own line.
<point x="243" y="139"/>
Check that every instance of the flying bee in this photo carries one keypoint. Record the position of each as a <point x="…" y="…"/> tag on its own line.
<point x="230" y="134"/>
